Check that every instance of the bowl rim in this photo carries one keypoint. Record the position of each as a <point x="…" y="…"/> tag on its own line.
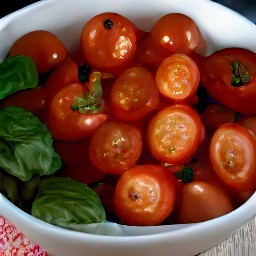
<point x="7" y="209"/>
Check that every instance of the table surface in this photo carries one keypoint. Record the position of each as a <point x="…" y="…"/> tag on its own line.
<point x="242" y="242"/>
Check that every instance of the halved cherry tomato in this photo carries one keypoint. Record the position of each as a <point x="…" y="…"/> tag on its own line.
<point x="115" y="147"/>
<point x="67" y="123"/>
<point x="44" y="47"/>
<point x="133" y="95"/>
<point x="202" y="201"/>
<point x="232" y="155"/>
<point x="175" y="33"/>
<point x="108" y="41"/>
<point x="145" y="195"/>
<point x="174" y="134"/>
<point x="177" y="78"/>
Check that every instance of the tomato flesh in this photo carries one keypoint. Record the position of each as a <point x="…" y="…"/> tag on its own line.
<point x="115" y="147"/>
<point x="144" y="195"/>
<point x="233" y="154"/>
<point x="174" y="134"/>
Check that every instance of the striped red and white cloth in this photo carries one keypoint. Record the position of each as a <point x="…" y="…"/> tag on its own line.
<point x="14" y="243"/>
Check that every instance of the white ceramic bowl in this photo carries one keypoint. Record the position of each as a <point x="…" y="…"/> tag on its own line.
<point x="221" y="28"/>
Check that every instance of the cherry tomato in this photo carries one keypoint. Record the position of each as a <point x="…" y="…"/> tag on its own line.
<point x="133" y="95"/>
<point x="44" y="47"/>
<point x="215" y="115"/>
<point x="147" y="55"/>
<point x="174" y="134"/>
<point x="249" y="122"/>
<point x="145" y="195"/>
<point x="106" y="191"/>
<point x="232" y="155"/>
<point x="67" y="124"/>
<point x="202" y="201"/>
<point x="108" y="41"/>
<point x="65" y="74"/>
<point x="229" y="76"/>
<point x="85" y="173"/>
<point x="177" y="77"/>
<point x="32" y="100"/>
<point x="72" y="153"/>
<point x="175" y="33"/>
<point x="115" y="147"/>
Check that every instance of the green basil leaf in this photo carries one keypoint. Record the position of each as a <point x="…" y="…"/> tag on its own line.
<point x="17" y="73"/>
<point x="66" y="203"/>
<point x="26" y="148"/>
<point x="21" y="193"/>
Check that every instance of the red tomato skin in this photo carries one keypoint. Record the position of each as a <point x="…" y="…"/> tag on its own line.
<point x="108" y="48"/>
<point x="202" y="201"/>
<point x="115" y="147"/>
<point x="148" y="56"/>
<point x="84" y="173"/>
<point x="175" y="33"/>
<point x="215" y="115"/>
<point x="72" y="153"/>
<point x="33" y="100"/>
<point x="145" y="195"/>
<point x="44" y="47"/>
<point x="164" y="130"/>
<point x="216" y="76"/>
<point x="133" y="95"/>
<point x="63" y="75"/>
<point x="232" y="156"/>
<point x="68" y="125"/>
<point x="249" y="122"/>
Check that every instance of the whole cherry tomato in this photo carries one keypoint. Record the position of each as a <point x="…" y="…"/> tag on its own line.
<point x="115" y="147"/>
<point x="229" y="76"/>
<point x="147" y="55"/>
<point x="249" y="122"/>
<point x="175" y="33"/>
<point x="232" y="155"/>
<point x="85" y="173"/>
<point x="202" y="201"/>
<point x="215" y="115"/>
<point x="108" y="41"/>
<point x="72" y="153"/>
<point x="75" y="112"/>
<point x="33" y="100"/>
<point x="63" y="75"/>
<point x="133" y="95"/>
<point x="174" y="134"/>
<point x="44" y="47"/>
<point x="145" y="195"/>
<point x="177" y="78"/>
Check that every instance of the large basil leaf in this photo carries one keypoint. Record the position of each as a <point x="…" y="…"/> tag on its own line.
<point x="17" y="73"/>
<point x="66" y="203"/>
<point x="26" y="148"/>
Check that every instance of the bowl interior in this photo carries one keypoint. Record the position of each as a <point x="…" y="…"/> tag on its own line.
<point x="220" y="27"/>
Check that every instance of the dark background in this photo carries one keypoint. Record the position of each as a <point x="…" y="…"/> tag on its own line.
<point x="245" y="7"/>
<point x="9" y="6"/>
